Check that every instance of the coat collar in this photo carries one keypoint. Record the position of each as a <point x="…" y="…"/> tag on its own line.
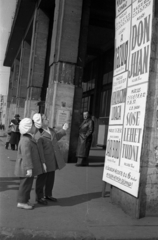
<point x="30" y="137"/>
<point x="46" y="134"/>
<point x="84" y="121"/>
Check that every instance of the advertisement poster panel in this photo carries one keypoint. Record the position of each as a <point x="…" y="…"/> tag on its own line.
<point x="118" y="99"/>
<point x="112" y="154"/>
<point x="140" y="42"/>
<point x="122" y="41"/>
<point x="133" y="126"/>
<point x="131" y="76"/>
<point x="121" y="6"/>
<point x="123" y="178"/>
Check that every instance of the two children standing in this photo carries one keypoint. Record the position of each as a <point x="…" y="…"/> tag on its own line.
<point x="40" y="157"/>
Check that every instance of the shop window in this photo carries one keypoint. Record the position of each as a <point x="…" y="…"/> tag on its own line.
<point x="105" y="103"/>
<point x="85" y="104"/>
<point x="87" y="86"/>
<point x="107" y="78"/>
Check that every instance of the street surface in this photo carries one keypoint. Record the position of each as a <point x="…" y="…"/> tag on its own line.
<point x="80" y="213"/>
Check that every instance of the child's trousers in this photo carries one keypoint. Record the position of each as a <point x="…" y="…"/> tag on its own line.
<point x="25" y="189"/>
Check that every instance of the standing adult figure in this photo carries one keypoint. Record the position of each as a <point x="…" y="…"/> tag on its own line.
<point x="85" y="139"/>
<point x="47" y="140"/>
<point x="15" y="133"/>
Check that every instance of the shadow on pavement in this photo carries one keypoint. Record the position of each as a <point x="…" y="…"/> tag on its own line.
<point x="74" y="200"/>
<point x="96" y="159"/>
<point x="8" y="183"/>
<point x="96" y="165"/>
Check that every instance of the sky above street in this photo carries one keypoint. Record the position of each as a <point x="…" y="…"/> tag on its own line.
<point x="7" y="10"/>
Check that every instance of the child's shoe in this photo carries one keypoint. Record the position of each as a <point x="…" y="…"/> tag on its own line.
<point x="24" y="206"/>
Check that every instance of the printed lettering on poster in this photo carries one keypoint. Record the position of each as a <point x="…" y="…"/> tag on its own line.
<point x="123" y="178"/>
<point x="133" y="127"/>
<point x="122" y="41"/>
<point x="112" y="154"/>
<point x="140" y="42"/>
<point x="118" y="99"/>
<point x="121" y="5"/>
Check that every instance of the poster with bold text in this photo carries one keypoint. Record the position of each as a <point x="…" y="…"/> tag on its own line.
<point x="113" y="144"/>
<point x="133" y="29"/>
<point x="121" y="177"/>
<point x="118" y="99"/>
<point x="122" y="41"/>
<point x="121" y="5"/>
<point x="133" y="127"/>
<point x="140" y="42"/>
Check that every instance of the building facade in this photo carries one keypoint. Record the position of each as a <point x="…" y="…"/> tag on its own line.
<point x="61" y="54"/>
<point x="3" y="108"/>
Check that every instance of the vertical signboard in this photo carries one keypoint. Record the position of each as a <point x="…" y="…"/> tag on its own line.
<point x="121" y="6"/>
<point x="133" y="27"/>
<point x="122" y="41"/>
<point x="118" y="99"/>
<point x="140" y="42"/>
<point x="133" y="127"/>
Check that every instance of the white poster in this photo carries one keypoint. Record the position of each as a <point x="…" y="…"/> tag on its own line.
<point x="121" y="5"/>
<point x="118" y="99"/>
<point x="62" y="117"/>
<point x="133" y="27"/>
<point x="133" y="126"/>
<point x="112" y="154"/>
<point x="140" y="42"/>
<point x="122" y="41"/>
<point x="122" y="178"/>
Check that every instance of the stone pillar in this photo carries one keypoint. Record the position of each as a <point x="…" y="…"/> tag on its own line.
<point x="82" y="51"/>
<point x="36" y="61"/>
<point x="13" y="92"/>
<point x="9" y="97"/>
<point x="63" y="59"/>
<point x="22" y="79"/>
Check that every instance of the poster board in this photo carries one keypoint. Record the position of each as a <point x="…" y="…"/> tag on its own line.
<point x="62" y="117"/>
<point x="133" y="29"/>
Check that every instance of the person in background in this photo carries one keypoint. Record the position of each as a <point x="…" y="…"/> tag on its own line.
<point x="49" y="150"/>
<point x="85" y="139"/>
<point x="28" y="163"/>
<point x="8" y="137"/>
<point x="15" y="134"/>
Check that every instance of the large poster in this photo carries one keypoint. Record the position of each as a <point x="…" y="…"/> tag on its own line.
<point x="122" y="41"/>
<point x="121" y="5"/>
<point x="118" y="99"/>
<point x="140" y="42"/>
<point x="122" y="178"/>
<point x="133" y="27"/>
<point x="113" y="144"/>
<point x="133" y="127"/>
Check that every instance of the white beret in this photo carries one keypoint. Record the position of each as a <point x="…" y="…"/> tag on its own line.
<point x="25" y="125"/>
<point x="37" y="120"/>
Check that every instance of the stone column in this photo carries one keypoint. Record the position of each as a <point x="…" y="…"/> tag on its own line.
<point x="13" y="92"/>
<point x="82" y="51"/>
<point x="36" y="61"/>
<point x="22" y="79"/>
<point x="63" y="59"/>
<point x="9" y="97"/>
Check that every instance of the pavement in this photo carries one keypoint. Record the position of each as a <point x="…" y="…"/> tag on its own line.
<point x="80" y="213"/>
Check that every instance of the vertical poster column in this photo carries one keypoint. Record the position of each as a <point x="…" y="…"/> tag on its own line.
<point x="140" y="42"/>
<point x="134" y="67"/>
<point x="133" y="127"/>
